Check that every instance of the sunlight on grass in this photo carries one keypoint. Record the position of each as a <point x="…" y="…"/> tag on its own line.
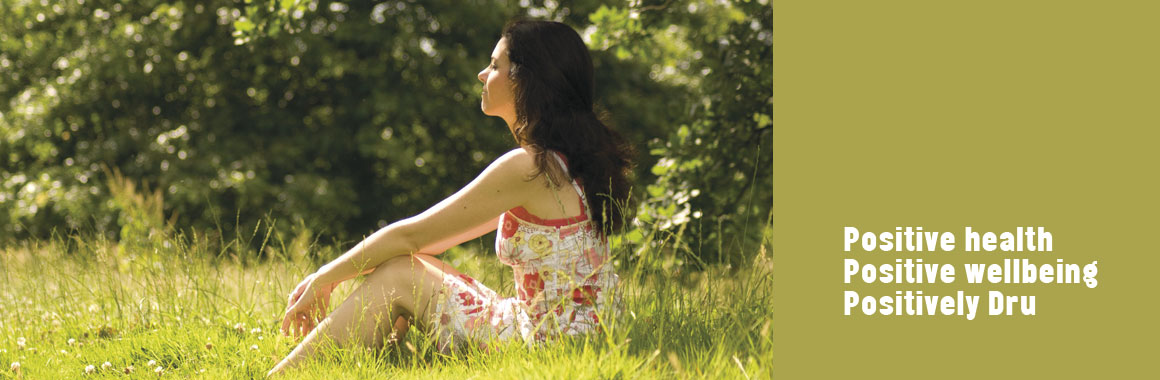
<point x="177" y="307"/>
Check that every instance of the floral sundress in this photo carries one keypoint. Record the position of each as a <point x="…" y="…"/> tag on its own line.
<point x="564" y="283"/>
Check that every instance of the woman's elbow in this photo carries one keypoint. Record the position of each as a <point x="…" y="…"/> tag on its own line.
<point x="402" y="238"/>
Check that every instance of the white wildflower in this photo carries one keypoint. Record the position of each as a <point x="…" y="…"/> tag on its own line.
<point x="106" y="366"/>
<point x="90" y="369"/>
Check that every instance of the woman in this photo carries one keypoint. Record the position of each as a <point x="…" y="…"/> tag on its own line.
<point x="554" y="200"/>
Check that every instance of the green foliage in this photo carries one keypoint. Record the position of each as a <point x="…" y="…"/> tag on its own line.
<point x="341" y="117"/>
<point x="713" y="171"/>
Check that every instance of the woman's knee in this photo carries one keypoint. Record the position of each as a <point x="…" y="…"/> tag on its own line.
<point x="395" y="274"/>
<point x="393" y="268"/>
<point x="401" y="262"/>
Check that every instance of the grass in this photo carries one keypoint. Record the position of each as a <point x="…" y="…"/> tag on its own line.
<point x="176" y="306"/>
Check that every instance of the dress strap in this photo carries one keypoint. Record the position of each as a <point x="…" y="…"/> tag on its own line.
<point x="575" y="185"/>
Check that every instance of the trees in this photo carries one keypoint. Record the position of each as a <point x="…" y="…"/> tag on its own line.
<point x="342" y="117"/>
<point x="713" y="170"/>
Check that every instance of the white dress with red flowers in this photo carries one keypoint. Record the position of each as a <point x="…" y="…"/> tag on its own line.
<point x="564" y="283"/>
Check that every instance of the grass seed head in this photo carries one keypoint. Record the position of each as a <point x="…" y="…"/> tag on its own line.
<point x="15" y="367"/>
<point x="159" y="370"/>
<point x="106" y="365"/>
<point x="129" y="370"/>
<point x="71" y="341"/>
<point x="89" y="369"/>
<point x="151" y="363"/>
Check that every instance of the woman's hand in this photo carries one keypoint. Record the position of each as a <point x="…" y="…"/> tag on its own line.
<point x="307" y="306"/>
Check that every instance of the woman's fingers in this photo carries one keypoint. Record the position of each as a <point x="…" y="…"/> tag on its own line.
<point x="293" y="314"/>
<point x="287" y="321"/>
<point x="304" y="325"/>
<point x="300" y="322"/>
<point x="308" y="325"/>
<point x="304" y="310"/>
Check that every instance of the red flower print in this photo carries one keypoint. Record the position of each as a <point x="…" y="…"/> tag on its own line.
<point x="467" y="279"/>
<point x="467" y="299"/>
<point x="532" y="285"/>
<point x="509" y="227"/>
<point x="584" y="295"/>
<point x="595" y="318"/>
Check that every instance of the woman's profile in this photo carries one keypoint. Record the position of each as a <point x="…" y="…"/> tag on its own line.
<point x="554" y="199"/>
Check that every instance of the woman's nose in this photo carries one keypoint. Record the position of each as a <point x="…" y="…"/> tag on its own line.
<point x="481" y="76"/>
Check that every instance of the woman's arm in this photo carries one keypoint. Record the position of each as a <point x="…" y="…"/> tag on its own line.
<point x="474" y="232"/>
<point x="439" y="247"/>
<point x="502" y="186"/>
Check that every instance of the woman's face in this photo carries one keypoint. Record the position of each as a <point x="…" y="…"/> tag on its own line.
<point x="498" y="96"/>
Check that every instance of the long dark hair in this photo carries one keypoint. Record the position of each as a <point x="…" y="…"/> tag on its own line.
<point x="554" y="90"/>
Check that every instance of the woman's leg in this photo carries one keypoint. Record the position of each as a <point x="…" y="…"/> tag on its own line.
<point x="401" y="287"/>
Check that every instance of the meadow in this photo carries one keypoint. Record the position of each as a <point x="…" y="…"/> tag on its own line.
<point x="184" y="306"/>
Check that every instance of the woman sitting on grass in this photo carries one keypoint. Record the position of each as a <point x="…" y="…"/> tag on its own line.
<point x="554" y="200"/>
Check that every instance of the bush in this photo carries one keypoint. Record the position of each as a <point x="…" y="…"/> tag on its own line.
<point x="339" y="118"/>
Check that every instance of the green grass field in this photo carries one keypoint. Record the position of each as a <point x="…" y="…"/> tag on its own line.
<point x="168" y="307"/>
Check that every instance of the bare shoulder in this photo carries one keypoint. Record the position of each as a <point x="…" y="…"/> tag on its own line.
<point x="517" y="156"/>
<point x="516" y="162"/>
<point x="517" y="166"/>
